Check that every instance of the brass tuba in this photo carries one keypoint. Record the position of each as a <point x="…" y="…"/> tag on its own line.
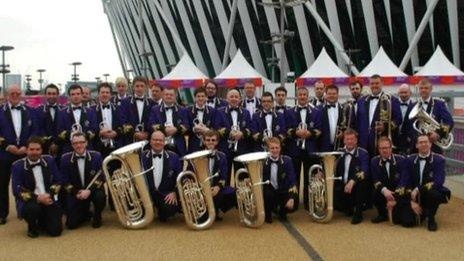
<point x="195" y="191"/>
<point x="425" y="123"/>
<point x="128" y="187"/>
<point x="321" y="189"/>
<point x="248" y="183"/>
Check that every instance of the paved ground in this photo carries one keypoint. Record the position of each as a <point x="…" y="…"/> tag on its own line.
<point x="300" y="239"/>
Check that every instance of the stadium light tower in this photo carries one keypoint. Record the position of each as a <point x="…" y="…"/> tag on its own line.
<point x="4" y="67"/>
<point x="75" y="76"/>
<point x="41" y="81"/>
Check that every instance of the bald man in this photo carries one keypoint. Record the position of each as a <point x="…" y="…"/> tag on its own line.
<point x="403" y="140"/>
<point x="17" y="124"/>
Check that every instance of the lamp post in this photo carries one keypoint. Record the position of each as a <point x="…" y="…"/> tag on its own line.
<point x="98" y="79"/>
<point x="28" y="82"/>
<point x="4" y="67"/>
<point x="40" y="71"/>
<point x="75" y="76"/>
<point x="106" y="76"/>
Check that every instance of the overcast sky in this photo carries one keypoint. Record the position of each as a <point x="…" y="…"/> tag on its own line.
<point x="51" y="34"/>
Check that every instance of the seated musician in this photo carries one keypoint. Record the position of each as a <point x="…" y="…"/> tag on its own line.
<point x="387" y="169"/>
<point x="81" y="171"/>
<point x="350" y="193"/>
<point x="36" y="182"/>
<point x="425" y="179"/>
<point x="280" y="194"/>
<point x="162" y="180"/>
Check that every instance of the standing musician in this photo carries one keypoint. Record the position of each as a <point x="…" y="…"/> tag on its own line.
<point x="303" y="129"/>
<point x="335" y="120"/>
<point x="267" y="123"/>
<point x="211" y="92"/>
<point x="319" y="89"/>
<point x="281" y="99"/>
<point x="356" y="89"/>
<point x="47" y="119"/>
<point x="76" y="115"/>
<point x="438" y="110"/>
<point x="236" y="132"/>
<point x="79" y="169"/>
<point x="162" y="180"/>
<point x="135" y="111"/>
<point x="379" y="114"/>
<point x="172" y="120"/>
<point x="351" y="192"/>
<point x="17" y="124"/>
<point x="156" y="94"/>
<point x="36" y="181"/>
<point x="281" y="193"/>
<point x="201" y="118"/>
<point x="121" y="88"/>
<point x="405" y="143"/>
<point x="426" y="178"/>
<point x="387" y="169"/>
<point x="87" y="101"/>
<point x="251" y="103"/>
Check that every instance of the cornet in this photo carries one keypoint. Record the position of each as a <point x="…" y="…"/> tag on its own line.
<point x="139" y="128"/>
<point x="107" y="142"/>
<point x="75" y="128"/>
<point x="169" y="140"/>
<point x="232" y="142"/>
<point x="198" y="124"/>
<point x="267" y="133"/>
<point x="301" y="142"/>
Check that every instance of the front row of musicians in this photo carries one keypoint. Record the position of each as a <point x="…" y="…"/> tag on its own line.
<point x="408" y="188"/>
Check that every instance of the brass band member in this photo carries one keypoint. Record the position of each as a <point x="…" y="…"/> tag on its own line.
<point x="122" y="92"/>
<point x="319" y="90"/>
<point x="280" y="195"/>
<point x="250" y="102"/>
<point x="156" y="94"/>
<point x="405" y="143"/>
<point x="211" y="93"/>
<point x="36" y="182"/>
<point x="280" y="94"/>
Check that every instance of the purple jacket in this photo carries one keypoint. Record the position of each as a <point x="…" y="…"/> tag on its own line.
<point x="172" y="166"/>
<point x="66" y="119"/>
<point x="211" y="119"/>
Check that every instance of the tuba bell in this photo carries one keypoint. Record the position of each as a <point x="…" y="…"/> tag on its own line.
<point x="248" y="182"/>
<point x="321" y="188"/>
<point x="425" y="123"/>
<point x="128" y="187"/>
<point x="194" y="189"/>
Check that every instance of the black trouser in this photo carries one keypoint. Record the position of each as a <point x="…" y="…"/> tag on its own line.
<point x="275" y="200"/>
<point x="229" y="200"/>
<point x="5" y="175"/>
<point x="79" y="213"/>
<point x="307" y="161"/>
<point x="164" y="209"/>
<point x="353" y="202"/>
<point x="39" y="216"/>
<point x="380" y="203"/>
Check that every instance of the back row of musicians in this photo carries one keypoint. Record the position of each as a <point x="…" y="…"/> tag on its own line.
<point x="78" y="136"/>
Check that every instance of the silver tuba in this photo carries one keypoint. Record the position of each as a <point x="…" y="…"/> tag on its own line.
<point x="425" y="123"/>
<point x="321" y="188"/>
<point x="106" y="142"/>
<point x="248" y="183"/>
<point x="128" y="187"/>
<point x="194" y="189"/>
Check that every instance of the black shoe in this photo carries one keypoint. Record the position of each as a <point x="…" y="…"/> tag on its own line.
<point x="97" y="222"/>
<point x="432" y="225"/>
<point x="379" y="219"/>
<point x="32" y="233"/>
<point x="357" y="218"/>
<point x="2" y="221"/>
<point x="268" y="219"/>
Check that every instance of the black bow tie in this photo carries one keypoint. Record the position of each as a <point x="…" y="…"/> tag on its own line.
<point x="404" y="104"/>
<point x="330" y="106"/>
<point x="33" y="165"/>
<point x="211" y="100"/>
<point x="280" y="107"/>
<point x="77" y="108"/>
<point x="202" y="109"/>
<point x="18" y="107"/>
<point x="250" y="100"/>
<point x="425" y="159"/>
<point x="274" y="160"/>
<point x="374" y="97"/>
<point x="233" y="109"/>
<point x="267" y="113"/>
<point x="106" y="106"/>
<point x="300" y="108"/>
<point x="52" y="106"/>
<point x="212" y="156"/>
<point x="139" y="99"/>
<point x="348" y="153"/>
<point x="426" y="102"/>
<point x="80" y="157"/>
<point x="386" y="160"/>
<point x="156" y="155"/>
<point x="169" y="108"/>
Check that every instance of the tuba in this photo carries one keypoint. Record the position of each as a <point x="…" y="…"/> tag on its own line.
<point x="128" y="187"/>
<point x="194" y="189"/>
<point x="321" y="189"/>
<point x="425" y="123"/>
<point x="248" y="183"/>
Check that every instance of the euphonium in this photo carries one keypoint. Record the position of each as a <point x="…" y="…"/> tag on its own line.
<point x="128" y="186"/>
<point x="424" y="123"/>
<point x="321" y="189"/>
<point x="248" y="182"/>
<point x="194" y="189"/>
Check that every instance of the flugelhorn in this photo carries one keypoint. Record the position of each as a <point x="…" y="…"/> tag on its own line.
<point x="321" y="188"/>
<point x="194" y="189"/>
<point x="128" y="186"/>
<point x="248" y="183"/>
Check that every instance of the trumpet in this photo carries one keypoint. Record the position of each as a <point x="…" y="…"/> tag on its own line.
<point x="169" y="140"/>
<point x="232" y="142"/>
<point x="195" y="191"/>
<point x="249" y="191"/>
<point x="107" y="142"/>
<point x="75" y="128"/>
<point x="321" y="189"/>
<point x="301" y="142"/>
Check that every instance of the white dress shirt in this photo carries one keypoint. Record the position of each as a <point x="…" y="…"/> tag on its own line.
<point x="332" y="113"/>
<point x="422" y="167"/>
<point x="404" y="109"/>
<point x="274" y="168"/>
<point x="251" y="106"/>
<point x="158" y="170"/>
<point x="347" y="165"/>
<point x="81" y="167"/>
<point x="140" y="105"/>
<point x="234" y="115"/>
<point x="372" y="106"/>
<point x="200" y="114"/>
<point x="107" y="117"/>
<point x="303" y="113"/>
<point x="17" y="120"/>
<point x="425" y="106"/>
<point x="268" y="119"/>
<point x="38" y="177"/>
<point x="52" y="111"/>
<point x="169" y="115"/>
